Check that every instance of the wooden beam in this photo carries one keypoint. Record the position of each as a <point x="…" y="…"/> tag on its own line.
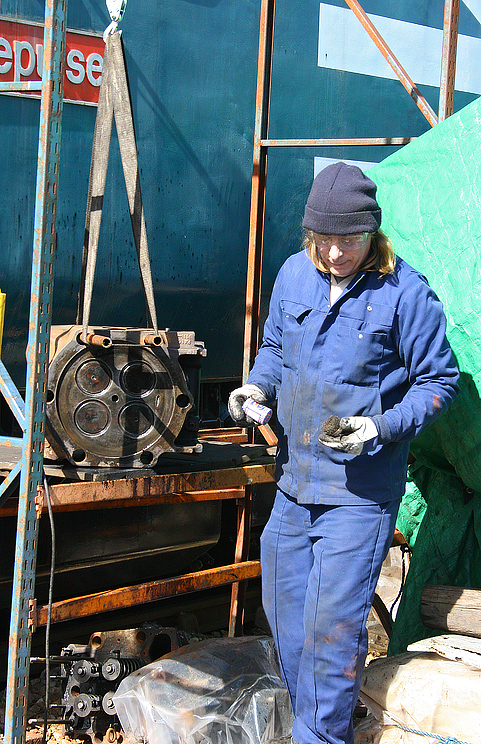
<point x="452" y="608"/>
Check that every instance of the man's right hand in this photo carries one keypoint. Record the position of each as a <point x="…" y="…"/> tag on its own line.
<point x="238" y="397"/>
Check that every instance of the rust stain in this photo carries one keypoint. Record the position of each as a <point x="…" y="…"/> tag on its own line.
<point x="350" y="671"/>
<point x="436" y="402"/>
<point x="331" y="638"/>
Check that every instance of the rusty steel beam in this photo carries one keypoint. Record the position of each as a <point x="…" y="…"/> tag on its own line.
<point x="237" y="603"/>
<point x="175" y="486"/>
<point x="18" y="87"/>
<point x="10" y="508"/>
<point x="254" y="282"/>
<point x="130" y="596"/>
<point x="231" y="434"/>
<point x="448" y="64"/>
<point x="258" y="191"/>
<point x="339" y="142"/>
<point x="11" y="442"/>
<point x="388" y="55"/>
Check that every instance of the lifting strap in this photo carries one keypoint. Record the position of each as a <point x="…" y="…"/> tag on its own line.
<point x="114" y="99"/>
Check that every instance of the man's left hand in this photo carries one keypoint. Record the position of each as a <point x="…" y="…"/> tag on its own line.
<point x="356" y="434"/>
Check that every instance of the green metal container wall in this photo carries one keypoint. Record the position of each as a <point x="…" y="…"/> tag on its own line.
<point x="192" y="67"/>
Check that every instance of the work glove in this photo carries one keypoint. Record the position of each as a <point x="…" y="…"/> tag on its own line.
<point x="238" y="397"/>
<point x="354" y="434"/>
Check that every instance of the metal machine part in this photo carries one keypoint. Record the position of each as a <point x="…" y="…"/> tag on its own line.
<point x="90" y="675"/>
<point x="122" y="396"/>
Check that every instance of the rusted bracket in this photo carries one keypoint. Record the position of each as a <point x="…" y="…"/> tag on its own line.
<point x="39" y="502"/>
<point x="32" y="615"/>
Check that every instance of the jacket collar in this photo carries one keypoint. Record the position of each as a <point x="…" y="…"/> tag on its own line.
<point x="326" y="283"/>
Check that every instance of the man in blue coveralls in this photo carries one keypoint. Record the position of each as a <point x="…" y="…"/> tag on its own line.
<point x="353" y="332"/>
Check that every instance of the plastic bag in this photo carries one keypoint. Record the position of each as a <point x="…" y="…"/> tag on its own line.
<point x="218" y="691"/>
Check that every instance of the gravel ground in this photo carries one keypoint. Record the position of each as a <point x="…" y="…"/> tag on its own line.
<point x="36" y="709"/>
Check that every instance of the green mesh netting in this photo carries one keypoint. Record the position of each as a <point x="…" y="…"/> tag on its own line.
<point x="430" y="193"/>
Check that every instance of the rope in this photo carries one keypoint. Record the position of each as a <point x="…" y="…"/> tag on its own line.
<point x="439" y="739"/>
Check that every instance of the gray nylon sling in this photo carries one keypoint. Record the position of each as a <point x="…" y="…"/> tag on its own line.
<point x="114" y="100"/>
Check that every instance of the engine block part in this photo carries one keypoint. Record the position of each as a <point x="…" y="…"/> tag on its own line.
<point x="90" y="675"/>
<point x="121" y="403"/>
<point x="116" y="669"/>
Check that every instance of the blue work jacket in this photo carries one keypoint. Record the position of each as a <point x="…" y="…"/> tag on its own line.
<point x="380" y="350"/>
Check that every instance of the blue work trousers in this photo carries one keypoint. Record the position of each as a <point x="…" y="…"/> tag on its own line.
<point x="320" y="566"/>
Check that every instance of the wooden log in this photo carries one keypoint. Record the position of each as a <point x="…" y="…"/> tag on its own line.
<point x="453" y="608"/>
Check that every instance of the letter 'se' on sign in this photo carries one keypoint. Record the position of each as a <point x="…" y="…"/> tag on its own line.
<point x="21" y="57"/>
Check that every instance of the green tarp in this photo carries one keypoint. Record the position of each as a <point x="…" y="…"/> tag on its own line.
<point x="430" y="193"/>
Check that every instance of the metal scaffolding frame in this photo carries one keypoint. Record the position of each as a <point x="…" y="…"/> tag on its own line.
<point x="30" y="414"/>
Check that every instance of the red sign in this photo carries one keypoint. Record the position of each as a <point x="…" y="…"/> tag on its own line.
<point x="21" y="55"/>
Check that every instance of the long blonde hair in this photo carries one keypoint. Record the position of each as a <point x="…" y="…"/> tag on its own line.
<point x="381" y="256"/>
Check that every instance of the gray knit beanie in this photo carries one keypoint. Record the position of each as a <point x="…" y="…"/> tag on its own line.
<point x="342" y="201"/>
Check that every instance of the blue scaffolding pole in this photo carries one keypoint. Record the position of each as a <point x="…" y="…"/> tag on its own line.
<point x="31" y="413"/>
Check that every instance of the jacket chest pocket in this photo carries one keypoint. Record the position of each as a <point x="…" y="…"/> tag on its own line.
<point x="294" y="322"/>
<point x="356" y="356"/>
<point x="360" y="340"/>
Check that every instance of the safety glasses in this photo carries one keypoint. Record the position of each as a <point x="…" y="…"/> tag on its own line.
<point x="344" y="242"/>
